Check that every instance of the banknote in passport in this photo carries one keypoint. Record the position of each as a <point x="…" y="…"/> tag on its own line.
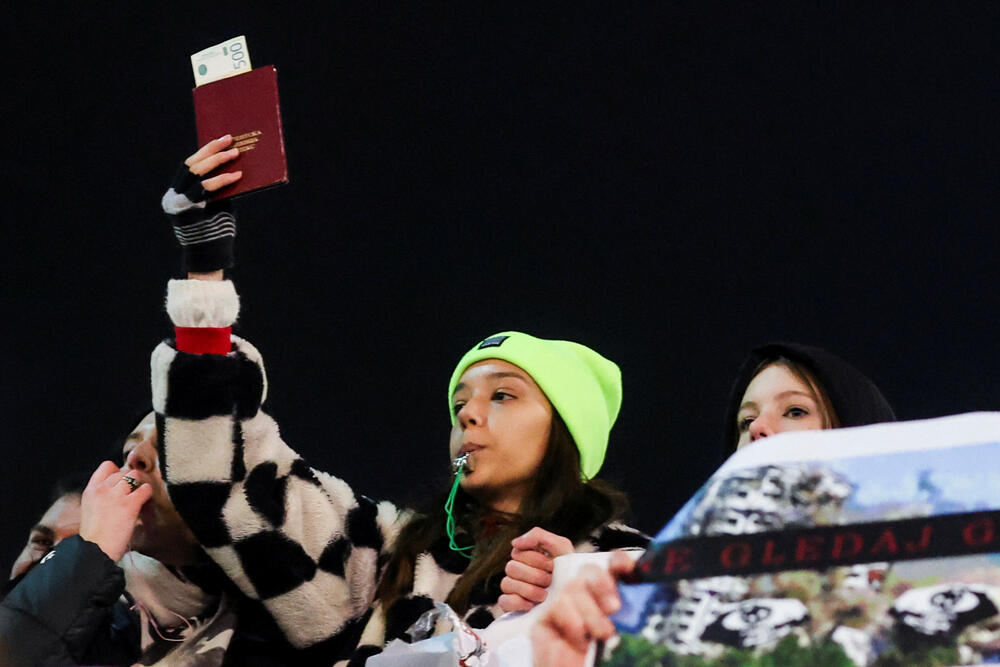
<point x="229" y="58"/>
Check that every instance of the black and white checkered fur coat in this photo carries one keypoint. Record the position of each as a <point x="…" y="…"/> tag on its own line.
<point x="298" y="540"/>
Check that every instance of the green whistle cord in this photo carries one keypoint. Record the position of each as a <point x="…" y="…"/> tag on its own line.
<point x="449" y="525"/>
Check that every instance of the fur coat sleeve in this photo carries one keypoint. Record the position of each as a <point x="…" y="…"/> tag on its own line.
<point x="299" y="540"/>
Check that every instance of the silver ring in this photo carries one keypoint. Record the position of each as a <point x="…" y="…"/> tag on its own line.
<point x="132" y="483"/>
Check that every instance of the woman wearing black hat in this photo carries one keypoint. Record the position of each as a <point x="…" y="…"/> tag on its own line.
<point x="793" y="387"/>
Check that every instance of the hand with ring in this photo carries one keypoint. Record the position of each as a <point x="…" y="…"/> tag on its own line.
<point x="109" y="508"/>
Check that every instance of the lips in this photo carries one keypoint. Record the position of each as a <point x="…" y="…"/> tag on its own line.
<point x="470" y="450"/>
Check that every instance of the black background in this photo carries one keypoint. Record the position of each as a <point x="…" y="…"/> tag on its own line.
<point x="670" y="185"/>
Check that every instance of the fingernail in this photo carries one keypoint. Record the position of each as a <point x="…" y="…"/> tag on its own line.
<point x="225" y="136"/>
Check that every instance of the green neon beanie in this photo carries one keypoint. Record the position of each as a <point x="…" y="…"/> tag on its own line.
<point x="583" y="387"/>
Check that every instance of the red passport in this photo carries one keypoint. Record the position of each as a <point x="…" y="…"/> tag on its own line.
<point x="245" y="106"/>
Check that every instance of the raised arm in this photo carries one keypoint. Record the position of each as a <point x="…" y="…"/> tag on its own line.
<point x="300" y="541"/>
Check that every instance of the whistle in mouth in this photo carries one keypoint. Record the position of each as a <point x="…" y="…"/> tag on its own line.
<point x="461" y="464"/>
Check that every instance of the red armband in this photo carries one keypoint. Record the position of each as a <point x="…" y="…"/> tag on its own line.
<point x="203" y="340"/>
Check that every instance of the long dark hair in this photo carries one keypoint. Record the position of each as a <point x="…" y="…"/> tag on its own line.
<point x="559" y="500"/>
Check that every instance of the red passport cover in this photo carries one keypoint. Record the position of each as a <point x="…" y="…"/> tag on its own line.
<point x="245" y="106"/>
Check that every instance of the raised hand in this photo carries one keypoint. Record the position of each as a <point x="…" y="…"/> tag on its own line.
<point x="205" y="229"/>
<point x="529" y="570"/>
<point x="109" y="508"/>
<point x="209" y="157"/>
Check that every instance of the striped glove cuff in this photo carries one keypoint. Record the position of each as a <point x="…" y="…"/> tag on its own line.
<point x="205" y="230"/>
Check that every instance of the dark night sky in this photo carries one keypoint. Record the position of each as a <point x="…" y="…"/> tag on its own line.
<point x="668" y="185"/>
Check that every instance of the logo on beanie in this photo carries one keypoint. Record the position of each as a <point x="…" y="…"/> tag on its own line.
<point x="492" y="341"/>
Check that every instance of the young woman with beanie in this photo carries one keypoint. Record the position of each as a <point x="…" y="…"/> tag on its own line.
<point x="793" y="387"/>
<point x="339" y="573"/>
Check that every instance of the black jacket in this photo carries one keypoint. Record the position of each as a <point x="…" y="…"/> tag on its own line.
<point x="67" y="610"/>
<point x="70" y="610"/>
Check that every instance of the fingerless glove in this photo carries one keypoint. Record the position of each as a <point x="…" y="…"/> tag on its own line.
<point x="205" y="229"/>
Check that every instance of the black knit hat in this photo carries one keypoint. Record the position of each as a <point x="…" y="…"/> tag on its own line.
<point x="855" y="398"/>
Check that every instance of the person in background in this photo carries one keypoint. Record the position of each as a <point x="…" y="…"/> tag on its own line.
<point x="59" y="521"/>
<point x="133" y="586"/>
<point x="793" y="387"/>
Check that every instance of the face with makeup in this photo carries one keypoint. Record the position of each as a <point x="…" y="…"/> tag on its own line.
<point x="503" y="420"/>
<point x="778" y="400"/>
